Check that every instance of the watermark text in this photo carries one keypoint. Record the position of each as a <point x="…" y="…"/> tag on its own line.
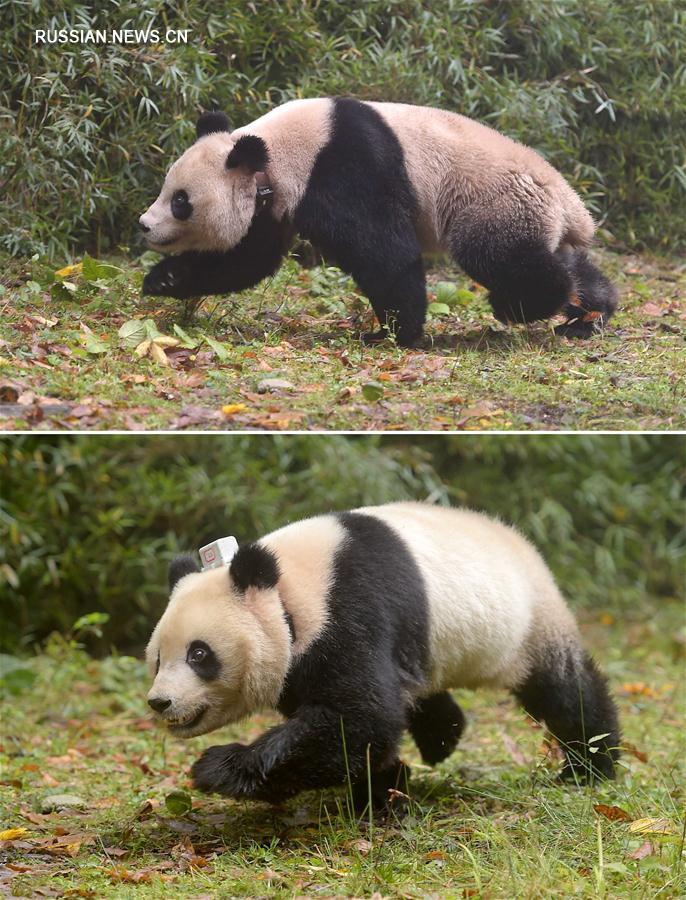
<point x="111" y="35"/>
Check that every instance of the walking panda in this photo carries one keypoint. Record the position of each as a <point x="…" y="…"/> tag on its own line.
<point x="355" y="626"/>
<point x="374" y="186"/>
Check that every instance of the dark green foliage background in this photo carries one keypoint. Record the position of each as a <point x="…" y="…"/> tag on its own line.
<point x="598" y="86"/>
<point x="90" y="525"/>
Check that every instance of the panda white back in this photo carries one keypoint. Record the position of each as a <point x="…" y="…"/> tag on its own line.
<point x="456" y="163"/>
<point x="488" y="592"/>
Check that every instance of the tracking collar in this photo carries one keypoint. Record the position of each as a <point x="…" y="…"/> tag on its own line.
<point x="265" y="192"/>
<point x="222" y="551"/>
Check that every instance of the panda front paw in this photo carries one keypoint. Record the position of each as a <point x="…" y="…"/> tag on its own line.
<point x="172" y="277"/>
<point x="230" y="770"/>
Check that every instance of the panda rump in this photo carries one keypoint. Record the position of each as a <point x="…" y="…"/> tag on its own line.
<point x="390" y="607"/>
<point x="374" y="186"/>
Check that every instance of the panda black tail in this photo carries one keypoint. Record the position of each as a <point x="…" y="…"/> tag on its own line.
<point x="594" y="299"/>
<point x="567" y="691"/>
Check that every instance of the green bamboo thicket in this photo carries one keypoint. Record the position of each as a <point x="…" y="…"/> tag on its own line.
<point x="599" y="87"/>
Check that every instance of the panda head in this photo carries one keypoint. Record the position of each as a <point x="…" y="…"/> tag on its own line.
<point x="222" y="647"/>
<point x="208" y="198"/>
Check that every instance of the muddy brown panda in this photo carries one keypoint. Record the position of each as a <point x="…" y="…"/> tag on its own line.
<point x="355" y="626"/>
<point x="373" y="186"/>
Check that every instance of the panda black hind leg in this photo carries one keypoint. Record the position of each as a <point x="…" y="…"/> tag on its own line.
<point x="566" y="690"/>
<point x="526" y="281"/>
<point x="436" y="724"/>
<point x="594" y="299"/>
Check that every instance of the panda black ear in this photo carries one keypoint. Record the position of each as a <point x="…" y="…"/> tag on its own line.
<point x="254" y="566"/>
<point x="210" y="122"/>
<point x="249" y="151"/>
<point x="182" y="565"/>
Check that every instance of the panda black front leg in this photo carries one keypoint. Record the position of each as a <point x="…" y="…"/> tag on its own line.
<point x="399" y="302"/>
<point x="198" y="274"/>
<point x="394" y="777"/>
<point x="304" y="753"/>
<point x="436" y="724"/>
<point x="229" y="770"/>
<point x="173" y="276"/>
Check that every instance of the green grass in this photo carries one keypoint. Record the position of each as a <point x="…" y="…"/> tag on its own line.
<point x="489" y="822"/>
<point x="63" y="365"/>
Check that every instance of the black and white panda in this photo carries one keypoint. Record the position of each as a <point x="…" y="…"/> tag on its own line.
<point x="355" y="626"/>
<point x="373" y="186"/>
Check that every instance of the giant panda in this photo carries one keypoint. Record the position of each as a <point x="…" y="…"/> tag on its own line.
<point x="355" y="626"/>
<point x="373" y="186"/>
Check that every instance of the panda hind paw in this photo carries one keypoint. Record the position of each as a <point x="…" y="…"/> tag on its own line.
<point x="577" y="328"/>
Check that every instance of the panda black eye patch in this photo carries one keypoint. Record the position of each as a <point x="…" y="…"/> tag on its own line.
<point x="181" y="206"/>
<point x="203" y="660"/>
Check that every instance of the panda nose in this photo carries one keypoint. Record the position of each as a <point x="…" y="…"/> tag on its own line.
<point x="144" y="228"/>
<point x="158" y="704"/>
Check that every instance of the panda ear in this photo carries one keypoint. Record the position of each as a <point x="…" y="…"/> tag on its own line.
<point x="182" y="565"/>
<point x="250" y="152"/>
<point x="254" y="566"/>
<point x="210" y="122"/>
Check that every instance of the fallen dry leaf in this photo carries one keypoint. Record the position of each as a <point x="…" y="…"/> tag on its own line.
<point x="362" y="846"/>
<point x="651" y="825"/>
<point x="514" y="751"/>
<point x="638" y="687"/>
<point x="634" y="751"/>
<point x="481" y="410"/>
<point x="613" y="813"/>
<point x="641" y="852"/>
<point x="8" y="393"/>
<point x="652" y="309"/>
<point x="68" y="270"/>
<point x="13" y="834"/>
<point x="127" y="876"/>
<point x="231" y="409"/>
<point x="157" y="353"/>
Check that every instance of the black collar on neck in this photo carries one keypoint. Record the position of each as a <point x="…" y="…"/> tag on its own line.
<point x="265" y="193"/>
<point x="291" y="627"/>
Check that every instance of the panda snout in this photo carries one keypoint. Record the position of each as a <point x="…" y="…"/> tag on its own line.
<point x="143" y="227"/>
<point x="159" y="704"/>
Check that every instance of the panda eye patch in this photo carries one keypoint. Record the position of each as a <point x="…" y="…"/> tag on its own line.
<point x="181" y="206"/>
<point x="203" y="660"/>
